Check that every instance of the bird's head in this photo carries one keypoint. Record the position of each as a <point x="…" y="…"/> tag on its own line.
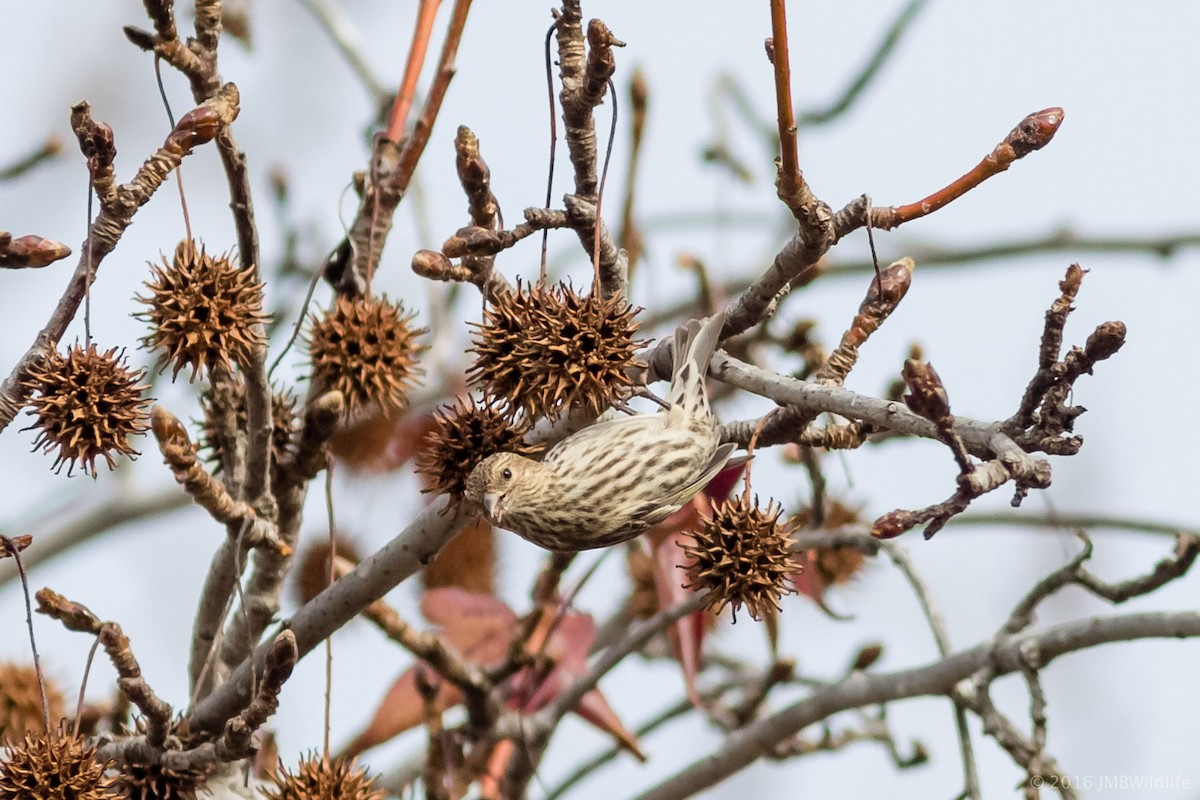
<point x="496" y="480"/>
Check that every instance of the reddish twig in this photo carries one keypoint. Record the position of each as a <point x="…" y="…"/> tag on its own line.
<point x="789" y="181"/>
<point x="415" y="146"/>
<point x="1033" y="133"/>
<point x="422" y="33"/>
<point x="814" y="218"/>
<point x="392" y="166"/>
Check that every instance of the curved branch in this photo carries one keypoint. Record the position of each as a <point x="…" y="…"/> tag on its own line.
<point x="113" y="512"/>
<point x="939" y="678"/>
<point x="818" y="398"/>
<point x="399" y="559"/>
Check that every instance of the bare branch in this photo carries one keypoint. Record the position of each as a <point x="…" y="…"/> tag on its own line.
<point x="396" y="561"/>
<point x="74" y="526"/>
<point x="942" y="637"/>
<point x="860" y="689"/>
<point x="118" y="204"/>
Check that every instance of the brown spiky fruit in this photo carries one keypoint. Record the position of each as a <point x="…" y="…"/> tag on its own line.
<point x="87" y="405"/>
<point x="830" y="566"/>
<point x="467" y="561"/>
<point x="465" y="434"/>
<point x="54" y="765"/>
<point x="312" y="568"/>
<point x="156" y="782"/>
<point x="643" y="600"/>
<point x="547" y="350"/>
<point x="317" y="778"/>
<point x="743" y="556"/>
<point x="203" y="312"/>
<point x="366" y="349"/>
<point x="21" y="702"/>
<point x="374" y="442"/>
<point x="285" y="423"/>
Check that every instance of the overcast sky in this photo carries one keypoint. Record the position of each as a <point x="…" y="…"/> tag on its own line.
<point x="1124" y="164"/>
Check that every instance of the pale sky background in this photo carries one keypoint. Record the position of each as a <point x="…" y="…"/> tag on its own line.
<point x="1124" y="164"/>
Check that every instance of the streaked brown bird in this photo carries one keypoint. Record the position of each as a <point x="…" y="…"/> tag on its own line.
<point x="610" y="481"/>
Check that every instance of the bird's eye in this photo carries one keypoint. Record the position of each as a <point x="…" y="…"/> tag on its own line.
<point x="506" y="474"/>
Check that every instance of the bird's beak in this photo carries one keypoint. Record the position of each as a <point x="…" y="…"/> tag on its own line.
<point x="493" y="505"/>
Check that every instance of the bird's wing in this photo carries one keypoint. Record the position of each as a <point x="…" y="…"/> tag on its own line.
<point x="715" y="464"/>
<point x="655" y="511"/>
<point x="619" y="429"/>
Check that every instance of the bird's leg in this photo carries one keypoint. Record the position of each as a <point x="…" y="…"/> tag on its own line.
<point x="642" y="391"/>
<point x="621" y="405"/>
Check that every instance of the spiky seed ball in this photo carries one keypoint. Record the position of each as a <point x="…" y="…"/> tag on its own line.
<point x="643" y="598"/>
<point x="312" y="567"/>
<point x="317" y="778"/>
<point x="21" y="702"/>
<point x="203" y="311"/>
<point x="548" y="349"/>
<point x="830" y="566"/>
<point x="139" y="781"/>
<point x="285" y="423"/>
<point x="610" y="481"/>
<point x="87" y="405"/>
<point x="742" y="554"/>
<point x="53" y="765"/>
<point x="464" y="434"/>
<point x="374" y="442"/>
<point x="467" y="561"/>
<point x="644" y="601"/>
<point x="156" y="782"/>
<point x="366" y="349"/>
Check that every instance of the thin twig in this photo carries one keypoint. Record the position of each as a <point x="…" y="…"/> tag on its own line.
<point x="1072" y="521"/>
<point x="937" y="678"/>
<point x="10" y="548"/>
<point x="1032" y="133"/>
<point x="374" y="577"/>
<point x="72" y="525"/>
<point x="48" y="149"/>
<point x="930" y="256"/>
<point x="937" y="625"/>
<point x="869" y="72"/>
<point x="341" y="30"/>
<point x="118" y="204"/>
<point x="422" y="33"/>
<point x="668" y="714"/>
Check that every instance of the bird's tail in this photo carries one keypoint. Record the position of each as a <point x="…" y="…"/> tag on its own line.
<point x="694" y="347"/>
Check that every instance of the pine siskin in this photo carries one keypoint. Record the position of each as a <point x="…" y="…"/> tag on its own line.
<point x="612" y="480"/>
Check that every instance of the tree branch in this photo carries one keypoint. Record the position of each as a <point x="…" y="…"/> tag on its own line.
<point x="396" y="561"/>
<point x="744" y="747"/>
